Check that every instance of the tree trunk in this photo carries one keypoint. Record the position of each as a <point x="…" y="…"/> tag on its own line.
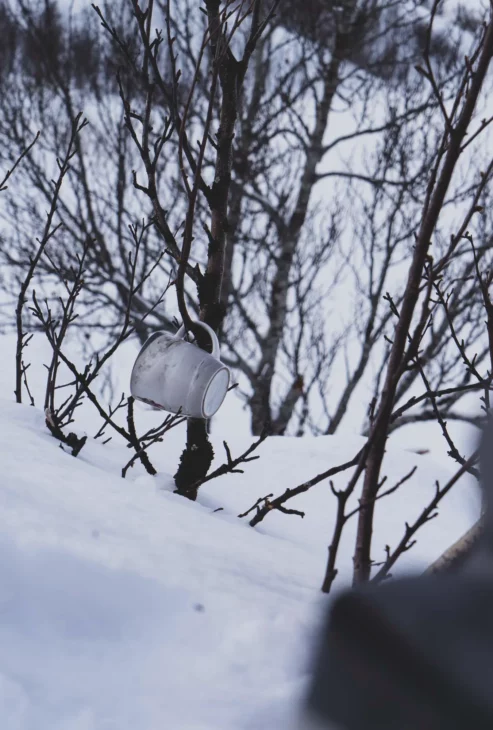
<point x="195" y="460"/>
<point x="197" y="457"/>
<point x="289" y="237"/>
<point x="379" y="431"/>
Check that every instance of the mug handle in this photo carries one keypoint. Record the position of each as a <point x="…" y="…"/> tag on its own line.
<point x="216" y="350"/>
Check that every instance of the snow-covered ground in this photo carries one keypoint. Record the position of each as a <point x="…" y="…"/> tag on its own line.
<point x="124" y="606"/>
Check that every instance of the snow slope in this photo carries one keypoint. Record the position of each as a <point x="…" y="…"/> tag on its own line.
<point x="125" y="607"/>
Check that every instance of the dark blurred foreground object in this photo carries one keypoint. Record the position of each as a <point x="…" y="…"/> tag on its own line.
<point x="412" y="654"/>
<point x="416" y="654"/>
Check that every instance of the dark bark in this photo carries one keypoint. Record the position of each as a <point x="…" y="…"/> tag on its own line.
<point x="198" y="453"/>
<point x="195" y="460"/>
<point x="197" y="457"/>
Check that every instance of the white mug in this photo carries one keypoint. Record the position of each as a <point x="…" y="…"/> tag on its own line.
<point x="179" y="377"/>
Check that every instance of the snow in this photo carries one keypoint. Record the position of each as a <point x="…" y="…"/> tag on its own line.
<point x="125" y="606"/>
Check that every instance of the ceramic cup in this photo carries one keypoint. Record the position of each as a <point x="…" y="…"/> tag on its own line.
<point x="178" y="376"/>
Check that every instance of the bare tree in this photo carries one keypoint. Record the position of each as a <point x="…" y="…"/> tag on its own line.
<point x="274" y="330"/>
<point x="276" y="217"/>
<point x="405" y="345"/>
<point x="277" y="301"/>
<point x="447" y="275"/>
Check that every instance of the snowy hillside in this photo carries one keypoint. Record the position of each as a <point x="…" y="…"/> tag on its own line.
<point x="125" y="606"/>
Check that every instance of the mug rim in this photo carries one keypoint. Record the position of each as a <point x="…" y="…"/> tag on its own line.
<point x="206" y="390"/>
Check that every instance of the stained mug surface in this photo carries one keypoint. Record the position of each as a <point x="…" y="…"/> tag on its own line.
<point x="180" y="377"/>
